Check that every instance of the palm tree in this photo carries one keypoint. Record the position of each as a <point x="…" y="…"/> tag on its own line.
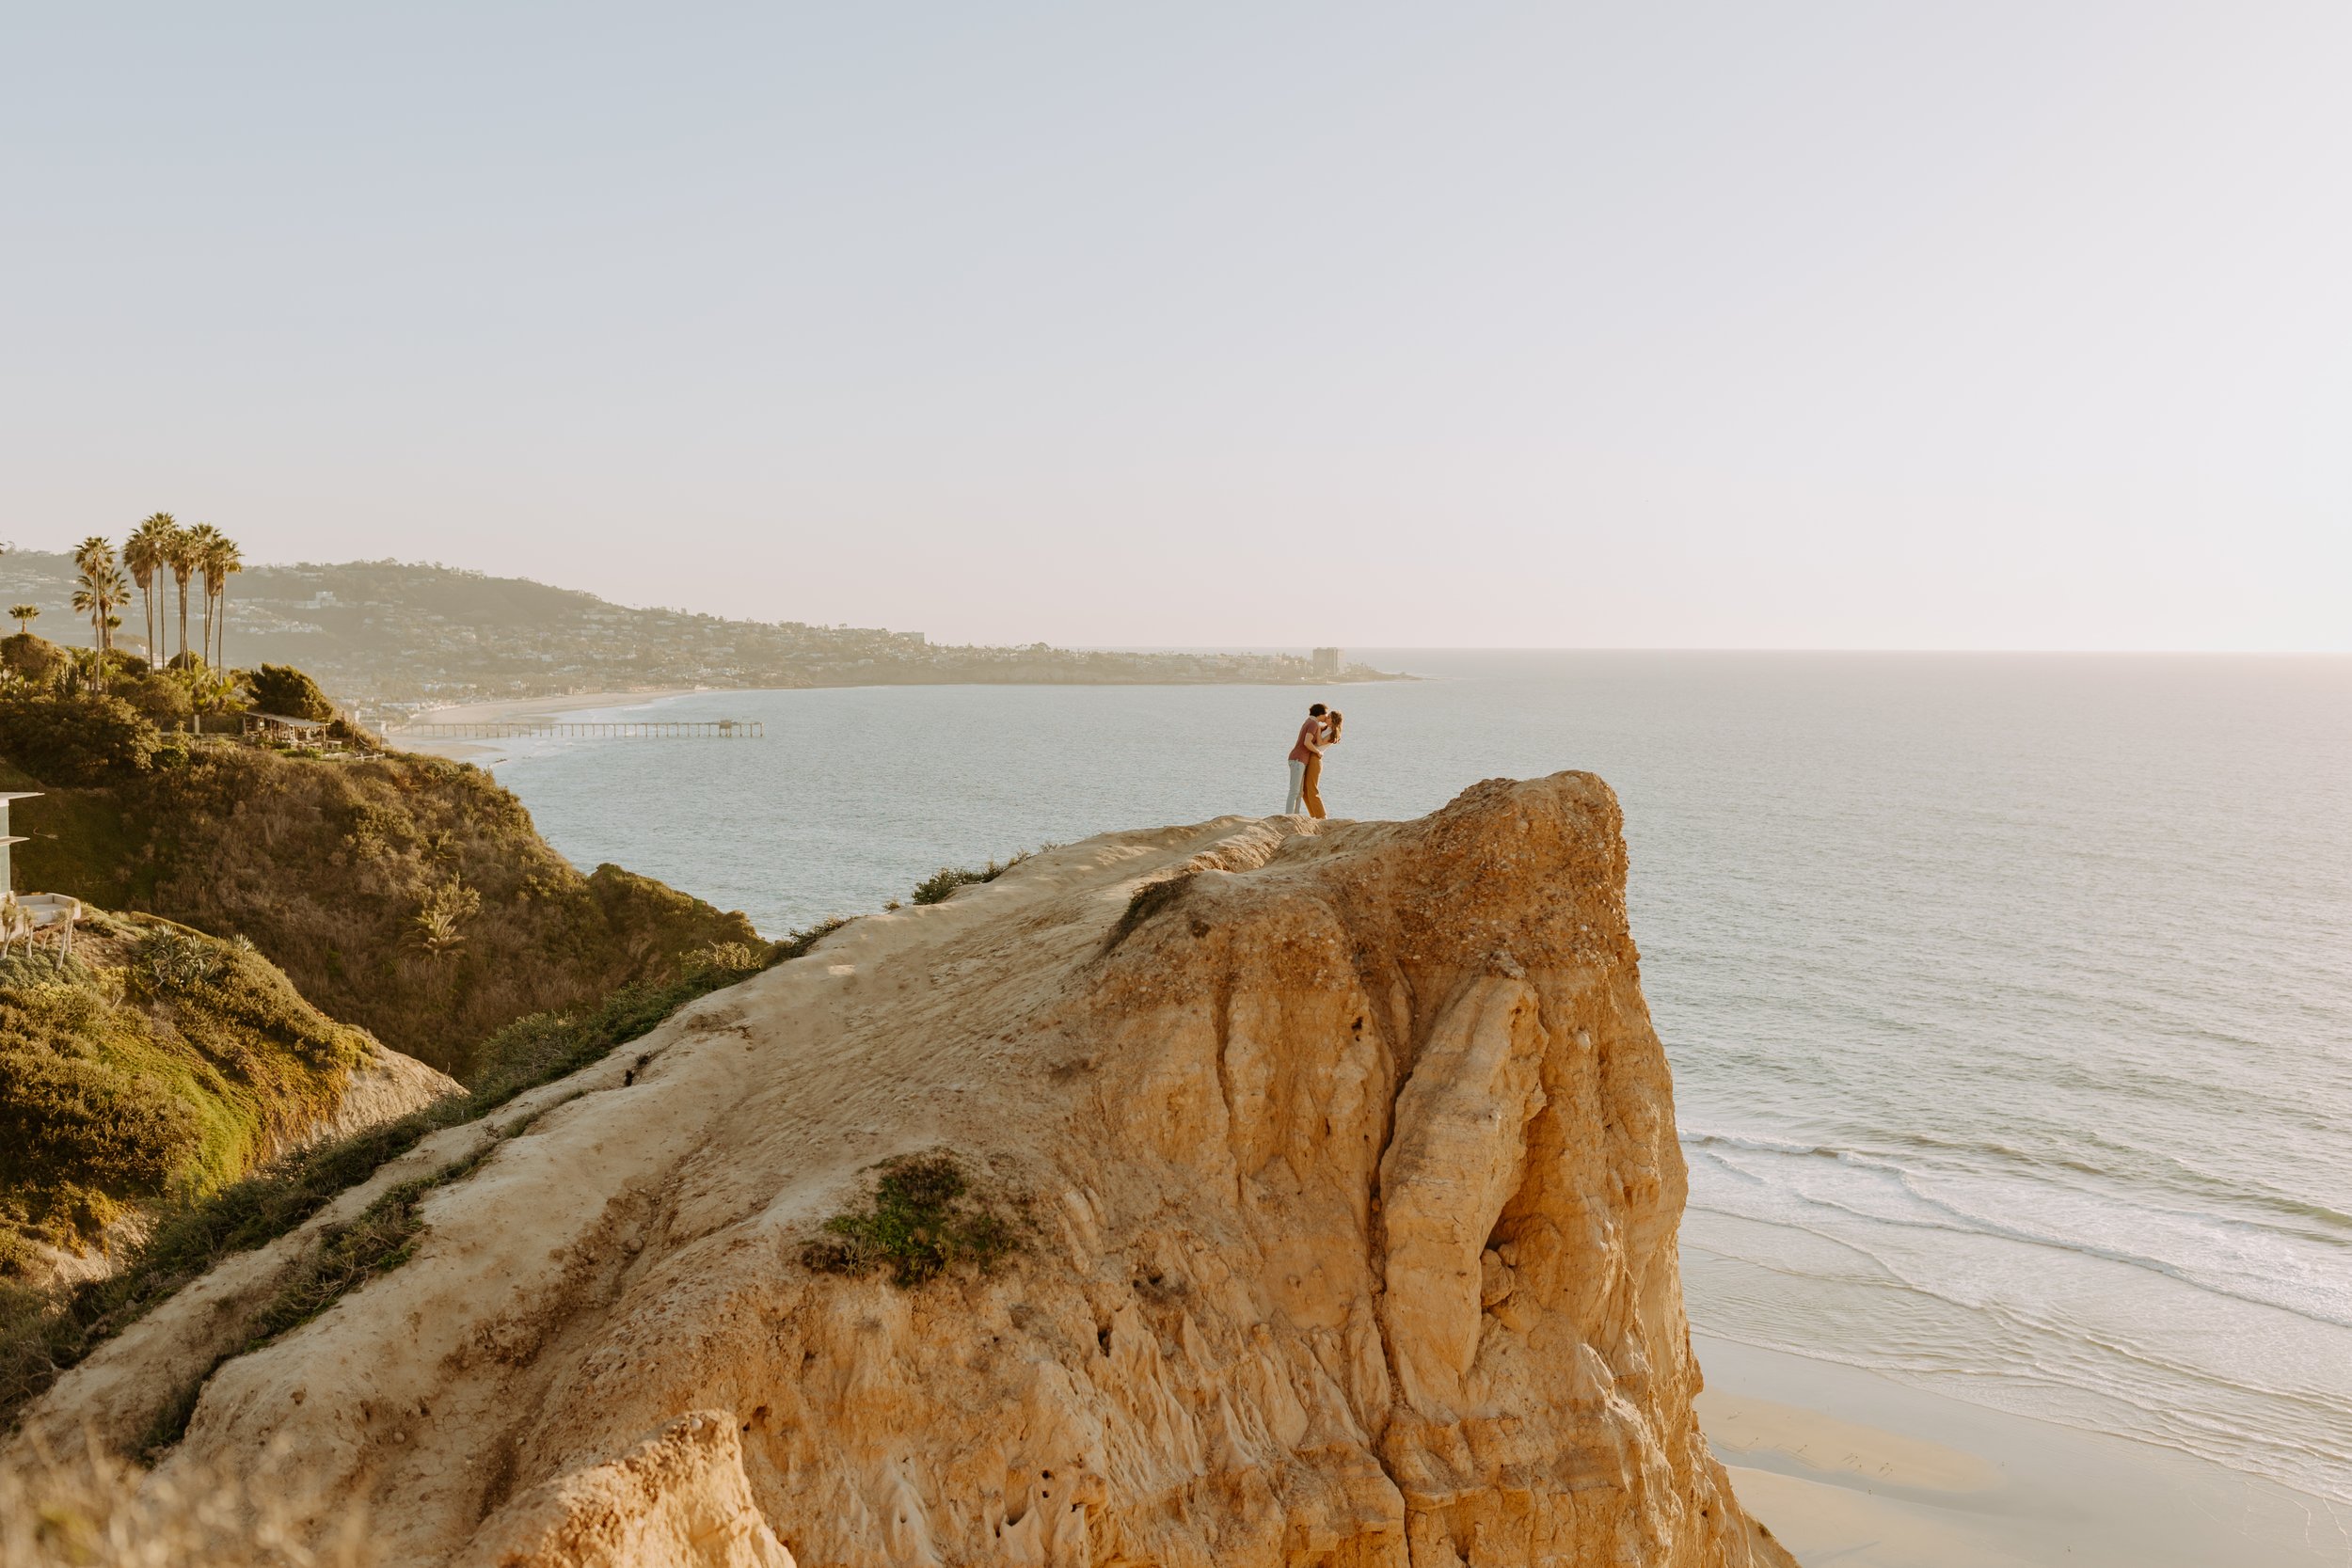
<point x="222" y="562"/>
<point x="24" y="615"/>
<point x="208" y="689"/>
<point x="147" y="554"/>
<point x="203" y="539"/>
<point x="95" y="557"/>
<point x="99" y="591"/>
<point x="181" y="556"/>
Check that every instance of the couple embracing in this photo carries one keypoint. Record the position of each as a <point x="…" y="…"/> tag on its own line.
<point x="1321" y="729"/>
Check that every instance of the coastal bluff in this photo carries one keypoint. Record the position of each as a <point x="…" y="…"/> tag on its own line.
<point x="1339" y="1168"/>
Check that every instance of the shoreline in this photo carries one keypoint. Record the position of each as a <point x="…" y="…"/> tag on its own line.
<point x="533" y="708"/>
<point x="1849" y="1467"/>
<point x="484" y="753"/>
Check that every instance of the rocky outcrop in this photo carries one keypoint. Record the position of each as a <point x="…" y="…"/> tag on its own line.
<point x="679" y="1496"/>
<point x="1344" y="1159"/>
<point x="385" y="1087"/>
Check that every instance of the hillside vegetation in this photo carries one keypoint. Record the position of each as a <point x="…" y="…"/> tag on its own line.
<point x="156" y="1065"/>
<point x="408" y="895"/>
<point x="47" y="1329"/>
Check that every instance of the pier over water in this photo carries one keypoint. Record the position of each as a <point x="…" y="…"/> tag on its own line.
<point x="619" y="729"/>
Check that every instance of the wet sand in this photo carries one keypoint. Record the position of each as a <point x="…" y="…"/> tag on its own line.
<point x="1855" y="1471"/>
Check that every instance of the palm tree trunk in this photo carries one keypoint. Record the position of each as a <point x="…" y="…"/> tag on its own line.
<point x="221" y="638"/>
<point x="182" y="584"/>
<point x="147" y="593"/>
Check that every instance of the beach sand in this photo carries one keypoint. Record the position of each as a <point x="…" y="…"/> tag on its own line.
<point x="484" y="754"/>
<point x="1858" y="1471"/>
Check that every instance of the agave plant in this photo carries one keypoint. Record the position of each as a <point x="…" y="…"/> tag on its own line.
<point x="438" y="925"/>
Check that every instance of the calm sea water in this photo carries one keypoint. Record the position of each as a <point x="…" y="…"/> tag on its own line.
<point x="2009" y="998"/>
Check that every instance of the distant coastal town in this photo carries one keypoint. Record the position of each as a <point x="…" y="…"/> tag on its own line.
<point x="393" y="639"/>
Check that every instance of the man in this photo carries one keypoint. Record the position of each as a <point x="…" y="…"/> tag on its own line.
<point x="1307" y="764"/>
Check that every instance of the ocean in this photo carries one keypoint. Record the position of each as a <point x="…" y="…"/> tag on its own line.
<point x="2008" y="997"/>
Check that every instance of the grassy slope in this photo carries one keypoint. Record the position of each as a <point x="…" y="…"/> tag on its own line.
<point x="159" y="1065"/>
<point x="328" y="868"/>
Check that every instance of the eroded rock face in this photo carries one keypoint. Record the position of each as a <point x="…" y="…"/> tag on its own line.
<point x="679" y="1496"/>
<point x="1352" y="1189"/>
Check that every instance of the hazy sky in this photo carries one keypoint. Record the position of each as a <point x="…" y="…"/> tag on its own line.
<point x="1886" y="323"/>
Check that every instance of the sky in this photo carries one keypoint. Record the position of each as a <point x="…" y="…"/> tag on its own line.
<point x="1799" y="323"/>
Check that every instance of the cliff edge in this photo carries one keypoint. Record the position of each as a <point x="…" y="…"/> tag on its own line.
<point x="1340" y="1160"/>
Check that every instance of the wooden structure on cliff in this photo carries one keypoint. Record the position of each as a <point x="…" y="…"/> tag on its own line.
<point x="32" y="913"/>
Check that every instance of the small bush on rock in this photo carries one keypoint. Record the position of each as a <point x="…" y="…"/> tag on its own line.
<point x="923" y="1219"/>
<point x="935" y="888"/>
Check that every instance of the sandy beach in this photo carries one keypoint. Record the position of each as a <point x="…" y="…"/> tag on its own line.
<point x="1852" y="1469"/>
<point x="484" y="752"/>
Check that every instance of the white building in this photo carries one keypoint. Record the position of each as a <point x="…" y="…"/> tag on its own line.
<point x="8" y="873"/>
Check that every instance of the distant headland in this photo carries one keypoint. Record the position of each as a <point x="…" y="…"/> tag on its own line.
<point x="394" y="638"/>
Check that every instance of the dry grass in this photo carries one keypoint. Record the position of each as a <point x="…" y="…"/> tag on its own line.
<point x="380" y="1239"/>
<point x="1149" y="901"/>
<point x="93" y="1510"/>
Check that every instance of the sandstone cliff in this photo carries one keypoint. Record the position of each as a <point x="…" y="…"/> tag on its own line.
<point x="1346" y="1167"/>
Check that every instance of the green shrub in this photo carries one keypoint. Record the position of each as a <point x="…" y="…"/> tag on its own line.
<point x="69" y="1123"/>
<point x="922" y="1221"/>
<point x="803" y="942"/>
<point x="165" y="1077"/>
<point x="935" y="888"/>
<point x="161" y="698"/>
<point x="81" y="739"/>
<point x="327" y="866"/>
<point x="282" y="689"/>
<point x="36" y="659"/>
